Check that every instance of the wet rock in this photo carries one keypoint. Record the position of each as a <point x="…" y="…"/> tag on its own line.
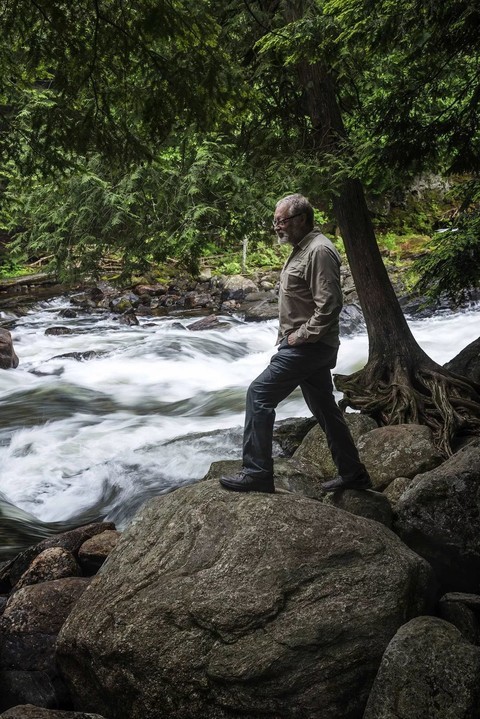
<point x="402" y="450"/>
<point x="31" y="621"/>
<point x="155" y="290"/>
<point x="264" y="309"/>
<point x="70" y="541"/>
<point x="53" y="563"/>
<point x="351" y="319"/>
<point x="463" y="611"/>
<point x="68" y="313"/>
<point x="222" y="604"/>
<point x="93" y="553"/>
<point x="206" y="323"/>
<point x="124" y="303"/>
<point x="467" y="362"/>
<point x="80" y="356"/>
<point x="438" y="518"/>
<point x="290" y="433"/>
<point x="194" y="300"/>
<point x="59" y="330"/>
<point x="29" y="711"/>
<point x="314" y="448"/>
<point x="428" y="670"/>
<point x="129" y="318"/>
<point x="8" y="357"/>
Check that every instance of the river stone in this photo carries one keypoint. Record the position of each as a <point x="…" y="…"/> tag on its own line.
<point x="32" y="619"/>
<point x="224" y="604"/>
<point x="467" y="362"/>
<point x="237" y="287"/>
<point x="93" y="553"/>
<point x="401" y="450"/>
<point x="462" y="610"/>
<point x="428" y="670"/>
<point x="59" y="330"/>
<point x="396" y="488"/>
<point x="351" y="319"/>
<point x="264" y="309"/>
<point x="71" y="541"/>
<point x="314" y="447"/>
<point x="53" y="563"/>
<point x="28" y="711"/>
<point x="290" y="433"/>
<point x="438" y="518"/>
<point x="8" y="357"/>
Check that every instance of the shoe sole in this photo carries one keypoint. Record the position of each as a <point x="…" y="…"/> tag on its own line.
<point x="361" y="488"/>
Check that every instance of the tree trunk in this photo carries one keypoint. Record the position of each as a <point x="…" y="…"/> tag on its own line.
<point x="399" y="383"/>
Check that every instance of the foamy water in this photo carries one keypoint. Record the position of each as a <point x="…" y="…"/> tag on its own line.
<point x="151" y="411"/>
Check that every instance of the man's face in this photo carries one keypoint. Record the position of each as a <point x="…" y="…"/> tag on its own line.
<point x="289" y="226"/>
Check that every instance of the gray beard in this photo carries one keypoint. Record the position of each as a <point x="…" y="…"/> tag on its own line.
<point x="282" y="240"/>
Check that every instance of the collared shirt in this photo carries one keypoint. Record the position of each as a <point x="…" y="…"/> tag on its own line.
<point x="310" y="296"/>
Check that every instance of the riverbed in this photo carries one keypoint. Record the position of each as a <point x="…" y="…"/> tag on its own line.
<point x="151" y="407"/>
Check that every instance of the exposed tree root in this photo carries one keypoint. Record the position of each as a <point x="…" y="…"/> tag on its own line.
<point x="425" y="394"/>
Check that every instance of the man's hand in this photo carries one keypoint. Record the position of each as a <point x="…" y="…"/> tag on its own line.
<point x="293" y="339"/>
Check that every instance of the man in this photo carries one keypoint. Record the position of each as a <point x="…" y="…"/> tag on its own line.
<point x="310" y="301"/>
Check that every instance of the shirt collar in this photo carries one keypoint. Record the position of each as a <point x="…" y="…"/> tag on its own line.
<point x="307" y="239"/>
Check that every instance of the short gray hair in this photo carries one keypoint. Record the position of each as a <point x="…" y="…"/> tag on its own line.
<point x="298" y="205"/>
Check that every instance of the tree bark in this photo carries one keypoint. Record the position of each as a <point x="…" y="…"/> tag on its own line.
<point x="399" y="383"/>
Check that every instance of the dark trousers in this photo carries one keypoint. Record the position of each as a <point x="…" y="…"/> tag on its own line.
<point x="307" y="366"/>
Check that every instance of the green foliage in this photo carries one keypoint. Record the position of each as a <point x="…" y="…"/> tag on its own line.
<point x="452" y="266"/>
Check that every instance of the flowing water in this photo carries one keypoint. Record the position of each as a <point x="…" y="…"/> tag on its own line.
<point x="149" y="410"/>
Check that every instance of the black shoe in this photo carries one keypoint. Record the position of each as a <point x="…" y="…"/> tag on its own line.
<point x="246" y="483"/>
<point x="339" y="483"/>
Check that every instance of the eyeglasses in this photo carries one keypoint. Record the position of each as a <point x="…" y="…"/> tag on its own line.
<point x="284" y="220"/>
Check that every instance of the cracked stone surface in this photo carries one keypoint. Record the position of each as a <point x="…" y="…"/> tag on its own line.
<point x="222" y="605"/>
<point x="428" y="671"/>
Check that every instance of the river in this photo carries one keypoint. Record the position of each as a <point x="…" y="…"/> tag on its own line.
<point x="150" y="411"/>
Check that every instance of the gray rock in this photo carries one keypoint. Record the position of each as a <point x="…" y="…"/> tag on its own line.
<point x="401" y="450"/>
<point x="219" y="604"/>
<point x="59" y="330"/>
<point x="290" y="433"/>
<point x="467" y="362"/>
<point x="31" y="621"/>
<point x="8" y="357"/>
<point x="93" y="553"/>
<point x="71" y="541"/>
<point x="237" y="287"/>
<point x="206" y="323"/>
<point x="314" y="448"/>
<point x="28" y="711"/>
<point x="264" y="309"/>
<point x="351" y="319"/>
<point x="462" y="610"/>
<point x="396" y="488"/>
<point x="438" y="518"/>
<point x="53" y="563"/>
<point x="427" y="671"/>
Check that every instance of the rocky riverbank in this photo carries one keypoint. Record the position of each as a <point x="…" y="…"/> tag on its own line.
<point x="298" y="604"/>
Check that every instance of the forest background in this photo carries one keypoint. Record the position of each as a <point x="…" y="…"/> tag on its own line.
<point x="160" y="129"/>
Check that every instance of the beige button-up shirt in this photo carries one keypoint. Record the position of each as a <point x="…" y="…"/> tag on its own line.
<point x="310" y="296"/>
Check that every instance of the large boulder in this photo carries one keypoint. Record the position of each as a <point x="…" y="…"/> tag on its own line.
<point x="8" y="358"/>
<point x="314" y="448"/>
<point x="28" y="711"/>
<point x="401" y="450"/>
<point x="428" y="670"/>
<point x="219" y="604"/>
<point x="467" y="362"/>
<point x="237" y="287"/>
<point x="438" y="517"/>
<point x="28" y="630"/>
